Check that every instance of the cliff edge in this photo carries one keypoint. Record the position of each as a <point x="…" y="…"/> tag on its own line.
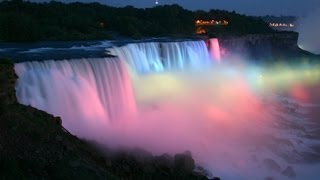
<point x="282" y="45"/>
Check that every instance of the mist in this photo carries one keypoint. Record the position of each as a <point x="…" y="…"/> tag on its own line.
<point x="238" y="121"/>
<point x="308" y="29"/>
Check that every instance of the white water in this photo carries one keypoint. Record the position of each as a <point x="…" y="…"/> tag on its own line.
<point x="215" y="49"/>
<point x="83" y="89"/>
<point x="232" y="128"/>
<point x="160" y="56"/>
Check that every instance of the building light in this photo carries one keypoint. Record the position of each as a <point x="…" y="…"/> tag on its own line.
<point x="102" y="24"/>
<point x="211" y="22"/>
<point x="290" y="25"/>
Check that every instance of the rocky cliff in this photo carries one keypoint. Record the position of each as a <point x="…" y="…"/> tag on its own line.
<point x="257" y="46"/>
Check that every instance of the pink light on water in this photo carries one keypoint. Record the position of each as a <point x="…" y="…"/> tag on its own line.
<point x="229" y="117"/>
<point x="214" y="49"/>
<point x="300" y="92"/>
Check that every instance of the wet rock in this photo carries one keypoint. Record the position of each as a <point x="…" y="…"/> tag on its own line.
<point x="184" y="162"/>
<point x="74" y="163"/>
<point x="60" y="156"/>
<point x="141" y="155"/>
<point x="126" y="168"/>
<point x="165" y="160"/>
<point x="108" y="163"/>
<point x="204" y="172"/>
<point x="289" y="172"/>
<point x="272" y="165"/>
<point x="58" y="121"/>
<point x="149" y="169"/>
<point x="58" y="138"/>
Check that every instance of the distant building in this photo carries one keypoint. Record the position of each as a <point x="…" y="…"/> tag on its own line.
<point x="212" y="22"/>
<point x="202" y="25"/>
<point x="284" y="23"/>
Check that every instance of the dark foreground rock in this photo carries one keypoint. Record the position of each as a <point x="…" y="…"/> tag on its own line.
<point x="34" y="145"/>
<point x="184" y="162"/>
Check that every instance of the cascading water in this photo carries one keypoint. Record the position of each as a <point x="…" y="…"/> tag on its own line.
<point x="214" y="49"/>
<point x="160" y="56"/>
<point x="214" y="113"/>
<point x="142" y="57"/>
<point x="97" y="89"/>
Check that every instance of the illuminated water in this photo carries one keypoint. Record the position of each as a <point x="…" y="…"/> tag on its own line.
<point x="160" y="56"/>
<point x="80" y="89"/>
<point x="239" y="121"/>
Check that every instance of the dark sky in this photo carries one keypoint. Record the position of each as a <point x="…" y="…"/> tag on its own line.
<point x="250" y="7"/>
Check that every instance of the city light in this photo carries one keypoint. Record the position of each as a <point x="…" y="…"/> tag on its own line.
<point x="291" y="25"/>
<point x="212" y="22"/>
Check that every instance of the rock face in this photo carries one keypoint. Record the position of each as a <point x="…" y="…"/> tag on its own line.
<point x="260" y="45"/>
<point x="7" y="82"/>
<point x="34" y="145"/>
<point x="184" y="162"/>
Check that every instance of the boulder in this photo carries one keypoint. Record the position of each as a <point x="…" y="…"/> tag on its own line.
<point x="184" y="162"/>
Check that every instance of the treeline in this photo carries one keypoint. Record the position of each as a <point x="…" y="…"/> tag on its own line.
<point x="29" y="21"/>
<point x="280" y="19"/>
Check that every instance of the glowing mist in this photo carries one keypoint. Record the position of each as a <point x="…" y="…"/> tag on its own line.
<point x="84" y="92"/>
<point x="225" y="115"/>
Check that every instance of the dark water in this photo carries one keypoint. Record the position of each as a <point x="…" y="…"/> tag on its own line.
<point x="20" y="52"/>
<point x="59" y="50"/>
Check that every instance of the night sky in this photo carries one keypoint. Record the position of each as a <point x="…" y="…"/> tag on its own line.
<point x="249" y="7"/>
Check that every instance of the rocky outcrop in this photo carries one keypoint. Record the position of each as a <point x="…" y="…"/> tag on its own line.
<point x="260" y="45"/>
<point x="184" y="162"/>
<point x="7" y="82"/>
<point x="34" y="145"/>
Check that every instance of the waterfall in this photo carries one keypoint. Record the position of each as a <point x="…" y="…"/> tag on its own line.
<point x="98" y="88"/>
<point x="214" y="49"/>
<point x="160" y="56"/>
<point x="143" y="57"/>
<point x="232" y="129"/>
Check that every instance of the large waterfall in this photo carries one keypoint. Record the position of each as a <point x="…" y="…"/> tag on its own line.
<point x="97" y="88"/>
<point x="160" y="56"/>
<point x="165" y="97"/>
